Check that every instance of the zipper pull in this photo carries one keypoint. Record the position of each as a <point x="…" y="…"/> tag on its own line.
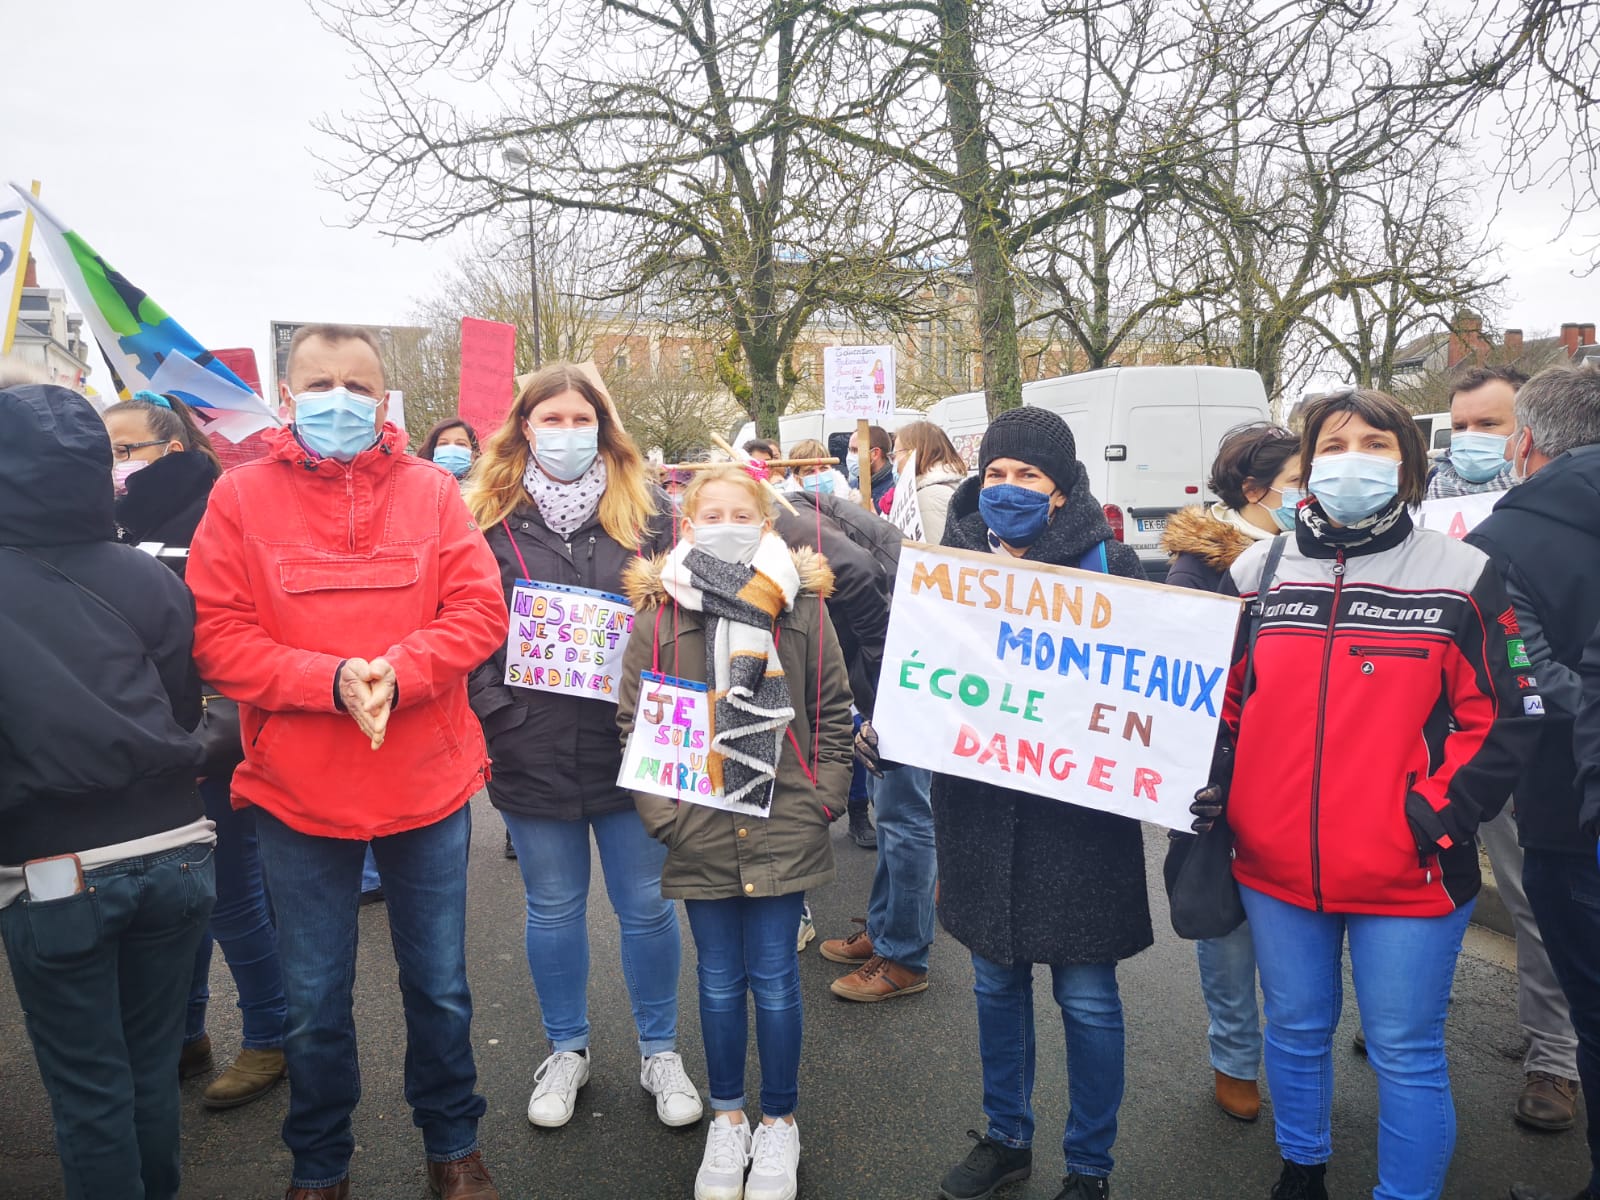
<point x="1338" y="565"/>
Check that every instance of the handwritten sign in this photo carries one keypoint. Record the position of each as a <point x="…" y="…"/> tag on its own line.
<point x="1457" y="515"/>
<point x="905" y="514"/>
<point x="667" y="753"/>
<point x="488" y="361"/>
<point x="1068" y="684"/>
<point x="16" y="226"/>
<point x="858" y="382"/>
<point x="567" y="640"/>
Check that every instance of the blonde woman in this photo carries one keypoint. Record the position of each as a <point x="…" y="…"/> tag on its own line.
<point x="940" y="470"/>
<point x="565" y="498"/>
<point x="827" y="480"/>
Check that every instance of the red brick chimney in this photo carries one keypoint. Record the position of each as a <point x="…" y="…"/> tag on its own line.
<point x="1466" y="339"/>
<point x="1571" y="333"/>
<point x="1585" y="335"/>
<point x="30" y="277"/>
<point x="1513" y="344"/>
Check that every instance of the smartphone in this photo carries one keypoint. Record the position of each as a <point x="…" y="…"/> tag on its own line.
<point x="53" y="878"/>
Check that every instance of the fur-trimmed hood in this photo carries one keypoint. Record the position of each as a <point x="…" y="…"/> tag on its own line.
<point x="641" y="582"/>
<point x="1214" y="542"/>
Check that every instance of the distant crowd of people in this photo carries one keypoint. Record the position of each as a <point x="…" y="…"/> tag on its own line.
<point x="232" y="696"/>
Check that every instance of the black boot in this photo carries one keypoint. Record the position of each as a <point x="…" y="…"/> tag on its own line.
<point x="861" y="831"/>
<point x="986" y="1166"/>
<point x="1300" y="1182"/>
<point x="1084" y="1187"/>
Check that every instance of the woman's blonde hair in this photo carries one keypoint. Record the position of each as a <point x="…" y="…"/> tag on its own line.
<point x="738" y="477"/>
<point x="932" y="446"/>
<point x="496" y="491"/>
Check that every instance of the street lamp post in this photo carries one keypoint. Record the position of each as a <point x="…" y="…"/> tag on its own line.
<point x="515" y="156"/>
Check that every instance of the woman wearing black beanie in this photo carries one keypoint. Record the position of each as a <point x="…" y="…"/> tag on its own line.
<point x="1024" y="879"/>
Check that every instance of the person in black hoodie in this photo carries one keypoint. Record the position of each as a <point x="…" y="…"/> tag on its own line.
<point x="98" y="696"/>
<point x="164" y="466"/>
<point x="1024" y="879"/>
<point x="564" y="498"/>
<point x="1544" y="537"/>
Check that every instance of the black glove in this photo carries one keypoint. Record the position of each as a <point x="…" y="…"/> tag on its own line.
<point x="1208" y="804"/>
<point x="1434" y="830"/>
<point x="867" y="749"/>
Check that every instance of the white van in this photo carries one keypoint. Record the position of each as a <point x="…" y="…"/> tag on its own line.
<point x="1146" y="435"/>
<point x="813" y="426"/>
<point x="1436" y="431"/>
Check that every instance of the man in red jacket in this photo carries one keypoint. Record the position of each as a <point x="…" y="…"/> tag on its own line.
<point x="343" y="593"/>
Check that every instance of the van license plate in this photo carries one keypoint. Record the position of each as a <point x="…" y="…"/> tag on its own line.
<point x="1152" y="524"/>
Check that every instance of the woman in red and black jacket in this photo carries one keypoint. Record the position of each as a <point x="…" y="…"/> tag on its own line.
<point x="1388" y="717"/>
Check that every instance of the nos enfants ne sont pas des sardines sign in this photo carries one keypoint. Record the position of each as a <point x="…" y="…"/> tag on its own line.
<point x="1068" y="684"/>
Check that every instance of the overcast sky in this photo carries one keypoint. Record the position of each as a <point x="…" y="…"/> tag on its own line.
<point x="182" y="147"/>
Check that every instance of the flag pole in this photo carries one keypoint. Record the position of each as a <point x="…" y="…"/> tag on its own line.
<point x="14" y="302"/>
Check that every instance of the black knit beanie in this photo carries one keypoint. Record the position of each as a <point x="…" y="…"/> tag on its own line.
<point x="1035" y="436"/>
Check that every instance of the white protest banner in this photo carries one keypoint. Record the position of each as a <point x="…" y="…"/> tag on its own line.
<point x="567" y="640"/>
<point x="1068" y="684"/>
<point x="905" y="514"/>
<point x="1457" y="515"/>
<point x="858" y="382"/>
<point x="16" y="231"/>
<point x="666" y="753"/>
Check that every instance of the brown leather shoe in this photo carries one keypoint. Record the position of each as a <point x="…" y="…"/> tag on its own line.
<point x="253" y="1074"/>
<point x="1548" y="1102"/>
<point x="879" y="979"/>
<point x="464" y="1179"/>
<point x="856" y="948"/>
<point x="1239" y="1098"/>
<point x="195" y="1058"/>
<point x="337" y="1191"/>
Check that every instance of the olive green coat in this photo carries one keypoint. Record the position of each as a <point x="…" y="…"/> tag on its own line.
<point x="713" y="854"/>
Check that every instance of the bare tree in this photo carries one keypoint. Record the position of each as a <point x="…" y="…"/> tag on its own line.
<point x="673" y="132"/>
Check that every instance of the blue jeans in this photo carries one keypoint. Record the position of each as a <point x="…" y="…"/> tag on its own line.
<point x="1402" y="968"/>
<point x="746" y="945"/>
<point x="1564" y="893"/>
<point x="1091" y="1011"/>
<point x="316" y="890"/>
<point x="900" y="910"/>
<point x="101" y="978"/>
<point x="554" y="859"/>
<point x="242" y="923"/>
<point x="371" y="881"/>
<point x="1228" y="982"/>
<point x="859" y="780"/>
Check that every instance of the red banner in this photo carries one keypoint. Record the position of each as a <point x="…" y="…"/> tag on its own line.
<point x="488" y="362"/>
<point x="242" y="362"/>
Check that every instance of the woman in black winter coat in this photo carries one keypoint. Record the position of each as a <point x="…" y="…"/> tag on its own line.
<point x="164" y="467"/>
<point x="1256" y="476"/>
<point x="563" y="496"/>
<point x="1024" y="879"/>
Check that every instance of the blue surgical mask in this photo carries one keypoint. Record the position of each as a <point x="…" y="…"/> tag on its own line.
<point x="565" y="454"/>
<point x="821" y="482"/>
<point x="1016" y="515"/>
<point x="731" y="543"/>
<point x="337" y="424"/>
<point x="455" y="459"/>
<point x="852" y="468"/>
<point x="1478" y="457"/>
<point x="1352" y="486"/>
<point x="1283" y="515"/>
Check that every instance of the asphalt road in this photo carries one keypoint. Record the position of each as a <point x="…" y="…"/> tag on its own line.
<point x="887" y="1091"/>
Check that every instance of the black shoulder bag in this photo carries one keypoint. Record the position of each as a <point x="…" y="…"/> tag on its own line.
<point x="1201" y="891"/>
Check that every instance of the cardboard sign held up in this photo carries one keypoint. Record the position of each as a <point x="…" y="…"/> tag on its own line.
<point x="488" y="362"/>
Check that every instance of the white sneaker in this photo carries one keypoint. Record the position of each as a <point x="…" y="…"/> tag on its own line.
<point x="774" y="1162"/>
<point x="808" y="929"/>
<point x="555" y="1088"/>
<point x="721" y="1174"/>
<point x="663" y="1076"/>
